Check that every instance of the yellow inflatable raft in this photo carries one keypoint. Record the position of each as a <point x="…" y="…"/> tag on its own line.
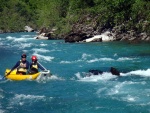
<point x="14" y="76"/>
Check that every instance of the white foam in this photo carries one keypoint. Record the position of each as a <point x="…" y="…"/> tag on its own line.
<point x="118" y="88"/>
<point x="141" y="72"/>
<point x="1" y="43"/>
<point x="10" y="38"/>
<point x="42" y="57"/>
<point x="125" y="58"/>
<point x="1" y="96"/>
<point x="108" y="59"/>
<point x="70" y="62"/>
<point x="41" y="50"/>
<point x="145" y="104"/>
<point x="115" y="90"/>
<point x="19" y="39"/>
<point x="23" y="38"/>
<point x="22" y="45"/>
<point x="55" y="77"/>
<point x="93" y="60"/>
<point x="101" y="90"/>
<point x="95" y="78"/>
<point x="85" y="56"/>
<point x="27" y="36"/>
<point x="2" y="111"/>
<point x="78" y="75"/>
<point x="65" y="62"/>
<point x="100" y="59"/>
<point x="144" y="73"/>
<point x="1" y="77"/>
<point x="46" y="79"/>
<point x="130" y="98"/>
<point x="22" y="99"/>
<point x="115" y="54"/>
<point x="42" y="44"/>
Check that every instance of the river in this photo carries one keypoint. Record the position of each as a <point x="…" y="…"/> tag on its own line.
<point x="69" y="90"/>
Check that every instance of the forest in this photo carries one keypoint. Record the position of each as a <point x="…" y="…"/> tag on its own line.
<point x="62" y="14"/>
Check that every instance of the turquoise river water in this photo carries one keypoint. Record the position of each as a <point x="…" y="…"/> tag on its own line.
<point x="69" y="90"/>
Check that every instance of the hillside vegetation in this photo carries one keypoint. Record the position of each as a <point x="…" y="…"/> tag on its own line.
<point x="62" y="14"/>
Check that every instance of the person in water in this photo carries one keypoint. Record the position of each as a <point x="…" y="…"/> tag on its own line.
<point x="35" y="65"/>
<point x="22" y="65"/>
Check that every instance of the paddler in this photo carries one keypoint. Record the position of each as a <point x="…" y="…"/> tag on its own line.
<point x="35" y="65"/>
<point x="22" y="66"/>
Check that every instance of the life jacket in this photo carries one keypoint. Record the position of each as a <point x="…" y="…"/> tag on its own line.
<point x="22" y="69"/>
<point x="34" y="67"/>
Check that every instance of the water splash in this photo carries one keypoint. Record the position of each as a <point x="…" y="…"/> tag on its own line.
<point x="43" y="57"/>
<point x="144" y="73"/>
<point x="94" y="78"/>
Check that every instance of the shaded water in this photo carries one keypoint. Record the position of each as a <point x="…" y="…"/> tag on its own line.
<point x="68" y="90"/>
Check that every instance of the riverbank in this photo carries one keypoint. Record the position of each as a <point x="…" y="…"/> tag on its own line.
<point x="81" y="31"/>
<point x="75" y="21"/>
<point x="88" y="29"/>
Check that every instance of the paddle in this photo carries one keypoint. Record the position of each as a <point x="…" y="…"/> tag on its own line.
<point x="10" y="72"/>
<point x="44" y="68"/>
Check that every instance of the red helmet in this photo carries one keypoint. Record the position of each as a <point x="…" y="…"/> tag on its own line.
<point x="34" y="58"/>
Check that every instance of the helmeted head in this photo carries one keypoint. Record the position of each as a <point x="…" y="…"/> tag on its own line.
<point x="34" y="58"/>
<point x="23" y="55"/>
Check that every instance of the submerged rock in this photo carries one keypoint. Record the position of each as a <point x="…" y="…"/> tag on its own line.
<point x="113" y="71"/>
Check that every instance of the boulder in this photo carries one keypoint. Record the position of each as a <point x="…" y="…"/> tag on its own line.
<point x="45" y="33"/>
<point x="75" y="37"/>
<point x="113" y="71"/>
<point x="96" y="72"/>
